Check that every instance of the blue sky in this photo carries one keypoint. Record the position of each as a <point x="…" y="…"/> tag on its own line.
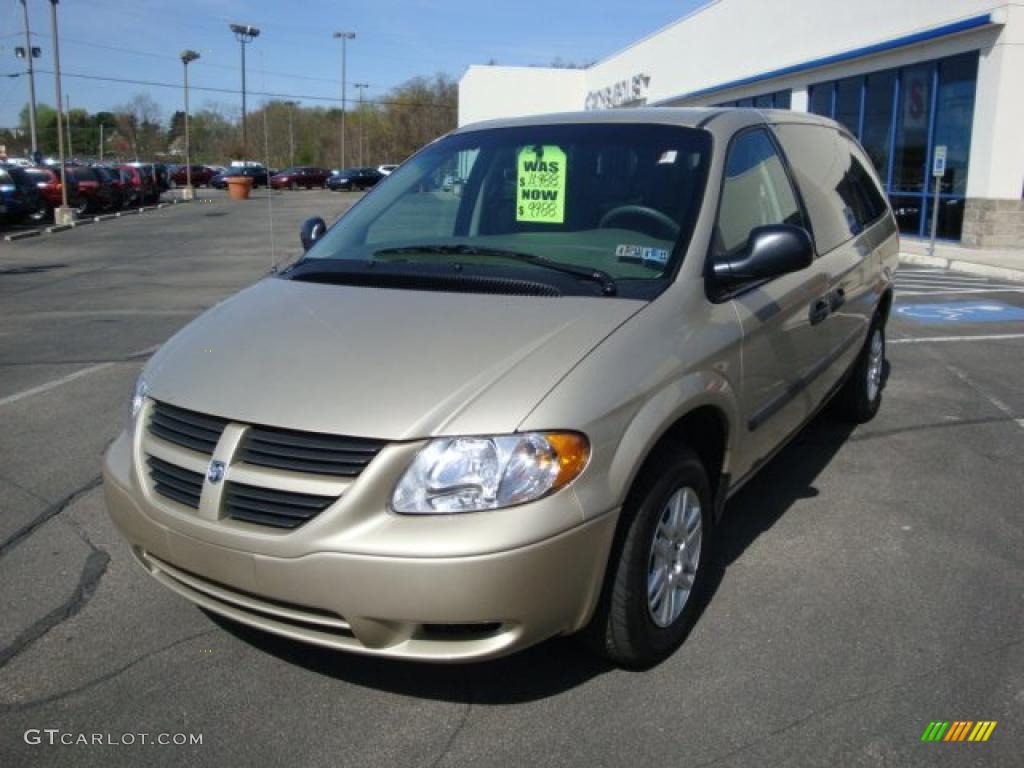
<point x="295" y="54"/>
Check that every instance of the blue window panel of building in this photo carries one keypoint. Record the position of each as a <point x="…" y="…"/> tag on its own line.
<point x="900" y="116"/>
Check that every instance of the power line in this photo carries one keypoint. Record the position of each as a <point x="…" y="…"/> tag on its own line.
<point x="211" y="89"/>
<point x="206" y="64"/>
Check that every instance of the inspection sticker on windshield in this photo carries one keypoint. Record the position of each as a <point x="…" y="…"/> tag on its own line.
<point x="641" y="254"/>
<point x="541" y="185"/>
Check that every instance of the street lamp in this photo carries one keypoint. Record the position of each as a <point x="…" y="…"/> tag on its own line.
<point x="362" y="128"/>
<point x="28" y="52"/>
<point x="244" y="34"/>
<point x="344" y="37"/>
<point x="63" y="214"/>
<point x="188" y="193"/>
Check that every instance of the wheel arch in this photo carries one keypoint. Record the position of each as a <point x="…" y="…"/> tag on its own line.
<point x="701" y="413"/>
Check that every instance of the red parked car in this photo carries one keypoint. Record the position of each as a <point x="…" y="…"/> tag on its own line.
<point x="47" y="179"/>
<point x="96" y="192"/>
<point x="303" y="176"/>
<point x="144" y="190"/>
<point x="201" y="176"/>
<point x="119" y="185"/>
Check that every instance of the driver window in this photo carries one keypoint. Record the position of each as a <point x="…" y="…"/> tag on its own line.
<point x="755" y="192"/>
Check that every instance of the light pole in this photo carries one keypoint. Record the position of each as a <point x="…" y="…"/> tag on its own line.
<point x="30" y="53"/>
<point x="244" y="34"/>
<point x="63" y="214"/>
<point x="67" y="111"/>
<point x="188" y="193"/>
<point x="344" y="37"/>
<point x="362" y="128"/>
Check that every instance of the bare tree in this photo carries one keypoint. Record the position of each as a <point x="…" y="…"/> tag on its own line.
<point x="139" y="123"/>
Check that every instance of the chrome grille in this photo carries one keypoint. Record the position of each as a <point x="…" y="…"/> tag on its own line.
<point x="265" y="506"/>
<point x="189" y="429"/>
<point x="176" y="483"/>
<point x="307" y="451"/>
<point x="276" y="478"/>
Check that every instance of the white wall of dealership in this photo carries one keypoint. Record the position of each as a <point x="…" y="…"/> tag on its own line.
<point x="686" y="62"/>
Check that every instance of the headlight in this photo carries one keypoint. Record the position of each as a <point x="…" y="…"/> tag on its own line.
<point x="469" y="474"/>
<point x="139" y="396"/>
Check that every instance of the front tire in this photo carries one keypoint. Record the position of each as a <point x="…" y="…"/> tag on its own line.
<point x="657" y="568"/>
<point x="861" y="396"/>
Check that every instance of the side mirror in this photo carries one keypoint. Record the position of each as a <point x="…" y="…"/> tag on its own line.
<point x="773" y="250"/>
<point x="312" y="230"/>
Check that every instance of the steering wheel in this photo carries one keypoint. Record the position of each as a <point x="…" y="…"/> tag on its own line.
<point x="663" y="221"/>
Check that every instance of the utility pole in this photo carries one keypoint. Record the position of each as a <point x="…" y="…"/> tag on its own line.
<point x="362" y="128"/>
<point x="344" y="37"/>
<point x="101" y="142"/>
<point x="63" y="215"/>
<point x="188" y="193"/>
<point x="67" y="104"/>
<point x="244" y="34"/>
<point x="31" y="53"/>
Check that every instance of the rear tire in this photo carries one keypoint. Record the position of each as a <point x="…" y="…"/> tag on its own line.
<point x="662" y="548"/>
<point x="861" y="396"/>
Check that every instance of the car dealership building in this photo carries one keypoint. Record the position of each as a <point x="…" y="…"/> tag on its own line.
<point x="904" y="76"/>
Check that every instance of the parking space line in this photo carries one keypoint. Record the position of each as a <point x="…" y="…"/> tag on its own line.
<point x="52" y="384"/>
<point x="47" y="386"/>
<point x="995" y="401"/>
<point x="940" y="339"/>
<point x="901" y="292"/>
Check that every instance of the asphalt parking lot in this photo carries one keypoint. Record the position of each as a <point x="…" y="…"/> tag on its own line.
<point x="867" y="582"/>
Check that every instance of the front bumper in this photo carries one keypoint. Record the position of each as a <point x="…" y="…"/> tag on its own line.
<point x="431" y="608"/>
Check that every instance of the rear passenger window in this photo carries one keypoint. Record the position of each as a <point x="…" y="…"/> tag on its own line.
<point x="864" y="185"/>
<point x="756" y="192"/>
<point x="841" y="195"/>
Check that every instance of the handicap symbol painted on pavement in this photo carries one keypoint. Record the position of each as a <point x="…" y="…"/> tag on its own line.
<point x="962" y="312"/>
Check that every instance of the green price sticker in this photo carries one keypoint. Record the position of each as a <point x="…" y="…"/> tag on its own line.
<point x="540" y="187"/>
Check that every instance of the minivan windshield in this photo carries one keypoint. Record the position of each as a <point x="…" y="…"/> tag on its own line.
<point x="616" y="199"/>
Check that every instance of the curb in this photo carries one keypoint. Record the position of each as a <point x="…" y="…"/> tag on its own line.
<point x="23" y="235"/>
<point x="968" y="267"/>
<point x="89" y="220"/>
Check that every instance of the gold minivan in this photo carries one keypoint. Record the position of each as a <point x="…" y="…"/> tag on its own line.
<point x="507" y="395"/>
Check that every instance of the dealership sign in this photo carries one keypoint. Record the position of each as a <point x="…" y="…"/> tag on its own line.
<point x="617" y="94"/>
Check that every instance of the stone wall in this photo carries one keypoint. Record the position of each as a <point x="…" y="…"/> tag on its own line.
<point x="993" y="223"/>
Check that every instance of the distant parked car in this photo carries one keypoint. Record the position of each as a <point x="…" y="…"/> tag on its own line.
<point x="47" y="181"/>
<point x="354" y="178"/>
<point x="96" y="191"/>
<point x="18" y="194"/>
<point x="143" y="186"/>
<point x="159" y="172"/>
<point x="300" y="176"/>
<point x="118" y="186"/>
<point x="260" y="176"/>
<point x="201" y="176"/>
<point x="386" y="169"/>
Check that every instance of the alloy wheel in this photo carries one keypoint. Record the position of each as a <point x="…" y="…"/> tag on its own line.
<point x="674" y="556"/>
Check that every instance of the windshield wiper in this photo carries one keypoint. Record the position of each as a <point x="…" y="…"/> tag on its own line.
<point x="602" y="278"/>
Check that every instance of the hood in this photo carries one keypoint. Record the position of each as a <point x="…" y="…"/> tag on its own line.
<point x="383" y="363"/>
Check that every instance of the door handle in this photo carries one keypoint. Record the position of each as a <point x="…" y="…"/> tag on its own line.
<point x="819" y="311"/>
<point x="836" y="299"/>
